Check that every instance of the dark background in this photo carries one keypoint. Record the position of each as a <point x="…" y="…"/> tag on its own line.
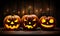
<point x="18" y="4"/>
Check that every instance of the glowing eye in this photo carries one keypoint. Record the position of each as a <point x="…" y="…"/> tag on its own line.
<point x="8" y="21"/>
<point x="51" y="21"/>
<point x="16" y="21"/>
<point x="34" y="19"/>
<point x="25" y="20"/>
<point x="43" y="20"/>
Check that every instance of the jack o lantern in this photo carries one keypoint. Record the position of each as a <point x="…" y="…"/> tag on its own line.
<point x="29" y="21"/>
<point x="47" y="22"/>
<point x="12" y="22"/>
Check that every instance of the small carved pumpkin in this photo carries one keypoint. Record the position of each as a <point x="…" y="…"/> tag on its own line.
<point x="30" y="21"/>
<point x="47" y="22"/>
<point x="12" y="22"/>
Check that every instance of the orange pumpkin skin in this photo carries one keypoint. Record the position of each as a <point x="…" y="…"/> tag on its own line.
<point x="12" y="22"/>
<point x="30" y="22"/>
<point x="47" y="23"/>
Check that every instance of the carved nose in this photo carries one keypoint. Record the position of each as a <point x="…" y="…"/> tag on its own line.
<point x="12" y="22"/>
<point x="29" y="22"/>
<point x="47" y="23"/>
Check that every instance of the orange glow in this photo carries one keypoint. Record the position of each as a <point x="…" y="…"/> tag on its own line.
<point x="18" y="12"/>
<point x="40" y="9"/>
<point x="23" y="12"/>
<point x="29" y="7"/>
<point x="12" y="27"/>
<point x="16" y="20"/>
<point x="8" y="20"/>
<point x="47" y="23"/>
<point x="29" y="22"/>
<point x="43" y="20"/>
<point x="30" y="26"/>
<point x="34" y="19"/>
<point x="12" y="22"/>
<point x="48" y="9"/>
<point x="36" y="10"/>
<point x="51" y="20"/>
<point x="47" y="26"/>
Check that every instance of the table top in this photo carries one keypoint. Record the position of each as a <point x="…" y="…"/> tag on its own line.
<point x="57" y="31"/>
<point x="30" y="32"/>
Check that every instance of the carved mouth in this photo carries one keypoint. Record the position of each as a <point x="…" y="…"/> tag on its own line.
<point x="30" y="26"/>
<point x="12" y="27"/>
<point x="47" y="26"/>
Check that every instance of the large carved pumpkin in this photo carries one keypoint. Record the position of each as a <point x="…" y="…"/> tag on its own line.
<point x="47" y="22"/>
<point x="29" y="22"/>
<point x="12" y="22"/>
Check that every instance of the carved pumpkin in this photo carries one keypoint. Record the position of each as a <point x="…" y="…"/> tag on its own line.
<point x="12" y="22"/>
<point x="30" y="21"/>
<point x="47" y="22"/>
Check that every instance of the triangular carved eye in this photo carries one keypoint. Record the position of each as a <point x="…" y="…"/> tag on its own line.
<point x="25" y="20"/>
<point x="51" y="20"/>
<point x="34" y="19"/>
<point x="16" y="20"/>
<point x="8" y="20"/>
<point x="43" y="20"/>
